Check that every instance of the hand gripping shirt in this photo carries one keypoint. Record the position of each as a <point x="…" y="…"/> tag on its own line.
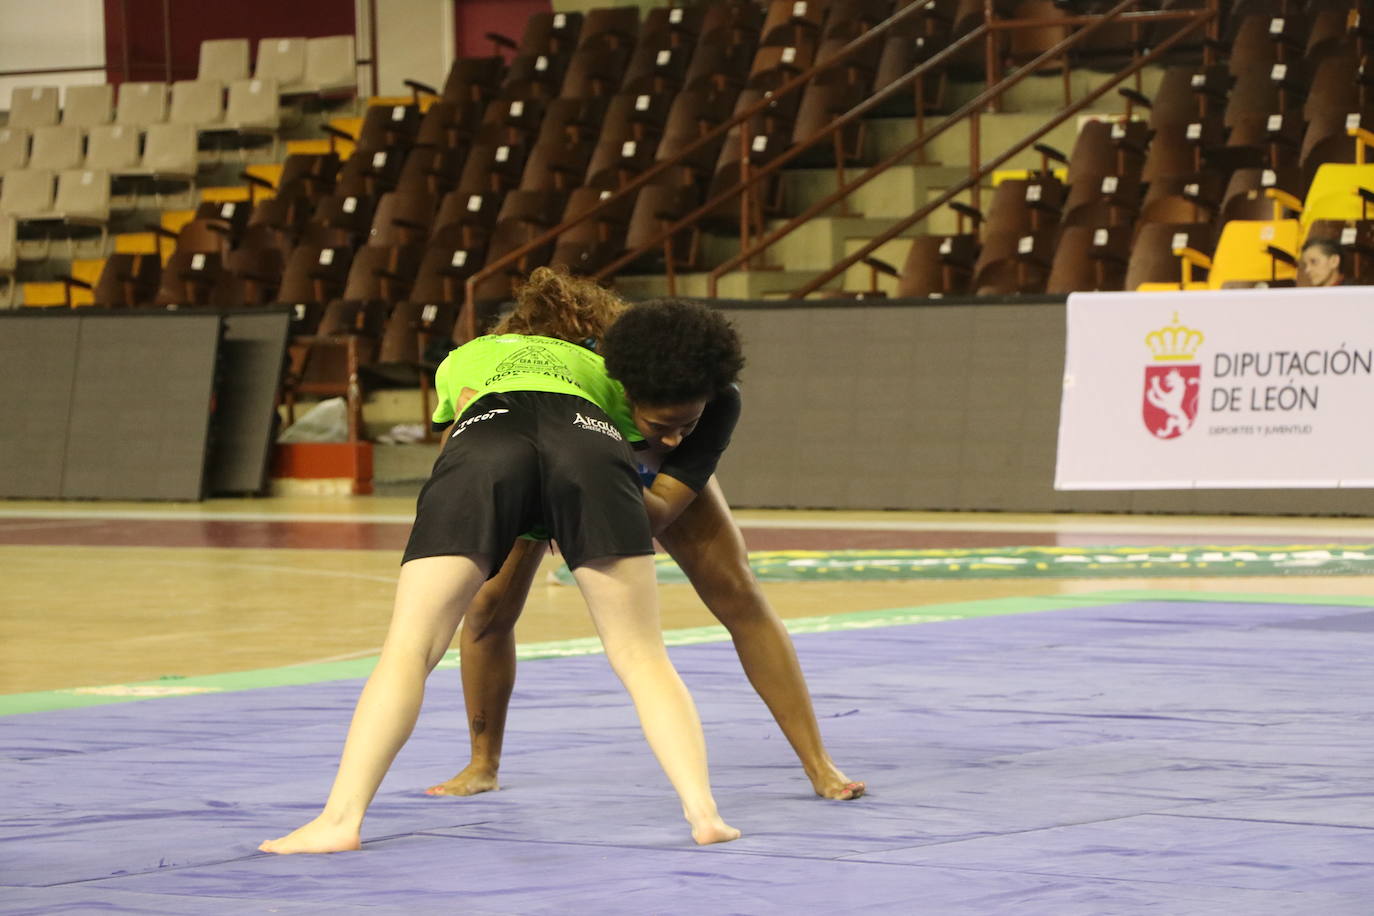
<point x="521" y="362"/>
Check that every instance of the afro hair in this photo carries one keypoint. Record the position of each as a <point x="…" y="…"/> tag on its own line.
<point x="671" y="351"/>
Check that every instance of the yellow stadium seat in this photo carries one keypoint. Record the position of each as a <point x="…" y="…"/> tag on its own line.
<point x="1001" y="175"/>
<point x="1242" y="254"/>
<point x="1335" y="193"/>
<point x="1169" y="287"/>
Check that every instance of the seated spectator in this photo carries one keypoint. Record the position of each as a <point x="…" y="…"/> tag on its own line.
<point x="1320" y="264"/>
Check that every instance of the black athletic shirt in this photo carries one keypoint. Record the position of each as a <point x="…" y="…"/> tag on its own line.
<point x="694" y="461"/>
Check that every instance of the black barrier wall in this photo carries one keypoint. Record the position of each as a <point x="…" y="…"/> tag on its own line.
<point x="930" y="405"/>
<point x="99" y="405"/>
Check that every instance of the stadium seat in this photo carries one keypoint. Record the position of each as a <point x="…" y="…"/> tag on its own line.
<point x="1335" y="193"/>
<point x="33" y="106"/>
<point x="199" y="103"/>
<point x="223" y="60"/>
<point x="88" y="106"/>
<point x="253" y="115"/>
<point x="1254" y="252"/>
<point x="1155" y="263"/>
<point x="141" y="104"/>
<point x="9" y="258"/>
<point x="597" y="241"/>
<point x="281" y="61"/>
<point x="402" y="218"/>
<point x="1088" y="258"/>
<point x="58" y="147"/>
<point x="115" y="148"/>
<point x="14" y="149"/>
<point x="330" y="65"/>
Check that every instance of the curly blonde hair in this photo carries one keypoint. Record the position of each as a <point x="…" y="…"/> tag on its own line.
<point x="553" y="303"/>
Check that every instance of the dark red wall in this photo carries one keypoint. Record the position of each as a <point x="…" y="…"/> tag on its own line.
<point x="473" y="19"/>
<point x="194" y="21"/>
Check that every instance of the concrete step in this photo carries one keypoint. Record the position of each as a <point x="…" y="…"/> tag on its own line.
<point x="753" y="284"/>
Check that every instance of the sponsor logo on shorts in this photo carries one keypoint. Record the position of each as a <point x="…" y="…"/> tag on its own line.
<point x="600" y="426"/>
<point x="477" y="419"/>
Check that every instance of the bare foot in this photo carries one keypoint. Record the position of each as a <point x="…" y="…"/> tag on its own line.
<point x="708" y="828"/>
<point x="315" y="837"/>
<point x="841" y="790"/>
<point x="472" y="780"/>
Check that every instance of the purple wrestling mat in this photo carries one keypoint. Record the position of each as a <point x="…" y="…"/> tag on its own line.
<point x="1144" y="757"/>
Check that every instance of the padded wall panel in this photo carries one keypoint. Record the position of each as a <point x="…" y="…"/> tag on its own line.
<point x="37" y="366"/>
<point x="929" y="405"/>
<point x="141" y="406"/>
<point x="250" y="368"/>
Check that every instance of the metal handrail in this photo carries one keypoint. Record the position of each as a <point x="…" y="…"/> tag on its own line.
<point x="756" y="175"/>
<point x="469" y="318"/>
<point x="1201" y="18"/>
<point x="988" y="95"/>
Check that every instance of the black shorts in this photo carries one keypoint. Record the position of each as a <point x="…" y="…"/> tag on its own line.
<point x="524" y="459"/>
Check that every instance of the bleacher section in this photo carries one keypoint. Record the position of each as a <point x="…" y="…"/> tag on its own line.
<point x="1209" y="170"/>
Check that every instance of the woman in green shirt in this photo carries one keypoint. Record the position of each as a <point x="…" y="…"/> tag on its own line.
<point x="539" y="442"/>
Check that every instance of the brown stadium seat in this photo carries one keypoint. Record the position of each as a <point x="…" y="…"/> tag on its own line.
<point x="664" y="51"/>
<point x="1018" y="236"/>
<point x="314" y="275"/>
<point x="551" y="33"/>
<point x="915" y="40"/>
<point x="402" y="218"/>
<point x="693" y="114"/>
<point x="524" y="216"/>
<point x="564" y="145"/>
<point x="722" y="68"/>
<point x="604" y="46"/>
<point x="349" y="213"/>
<point x="596" y="241"/>
<point x="938" y="265"/>
<point x="231" y="213"/>
<point x="492" y="168"/>
<point x="431" y="170"/>
<point x="774" y="65"/>
<point x="450" y="125"/>
<point x="535" y="76"/>
<point x="126" y="281"/>
<point x="444" y="267"/>
<point x="465" y="220"/>
<point x="192" y="279"/>
<point x="656" y="207"/>
<point x="728" y="23"/>
<point x="1088" y="258"/>
<point x="788" y="23"/>
<point x="371" y="174"/>
<point x="1152" y="257"/>
<point x="629" y="139"/>
<point x="255" y="275"/>
<point x="470" y="80"/>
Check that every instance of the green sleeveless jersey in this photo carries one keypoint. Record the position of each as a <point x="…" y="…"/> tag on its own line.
<point x="520" y="362"/>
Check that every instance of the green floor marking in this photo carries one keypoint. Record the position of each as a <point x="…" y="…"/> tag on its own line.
<point x="1045" y="563"/>
<point x="295" y="675"/>
<point x="1236" y="597"/>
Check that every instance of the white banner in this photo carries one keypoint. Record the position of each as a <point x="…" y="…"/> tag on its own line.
<point x="1228" y="388"/>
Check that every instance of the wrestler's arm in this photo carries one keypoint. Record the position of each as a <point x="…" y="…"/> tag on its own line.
<point x="686" y="470"/>
<point x="666" y="500"/>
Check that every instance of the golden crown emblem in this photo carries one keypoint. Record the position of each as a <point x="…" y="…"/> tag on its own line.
<point x="1174" y="342"/>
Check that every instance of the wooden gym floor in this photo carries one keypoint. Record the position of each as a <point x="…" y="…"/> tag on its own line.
<point x="102" y="593"/>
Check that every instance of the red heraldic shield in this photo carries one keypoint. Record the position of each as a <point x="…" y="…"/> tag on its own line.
<point x="1171" y="398"/>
